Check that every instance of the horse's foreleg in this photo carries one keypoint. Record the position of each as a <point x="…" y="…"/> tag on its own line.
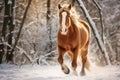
<point x="64" y="68"/>
<point x="74" y="61"/>
<point x="84" y="60"/>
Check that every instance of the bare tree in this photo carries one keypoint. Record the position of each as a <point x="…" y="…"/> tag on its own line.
<point x="95" y="32"/>
<point x="48" y="17"/>
<point x="8" y="24"/>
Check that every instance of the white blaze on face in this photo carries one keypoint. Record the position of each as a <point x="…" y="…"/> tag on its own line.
<point x="63" y="30"/>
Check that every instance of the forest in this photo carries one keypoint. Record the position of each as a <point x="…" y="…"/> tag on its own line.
<point x="28" y="32"/>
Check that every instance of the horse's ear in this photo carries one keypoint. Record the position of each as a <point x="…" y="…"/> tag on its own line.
<point x="59" y="6"/>
<point x="69" y="7"/>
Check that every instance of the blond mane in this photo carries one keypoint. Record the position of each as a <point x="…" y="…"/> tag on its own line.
<point x="75" y="16"/>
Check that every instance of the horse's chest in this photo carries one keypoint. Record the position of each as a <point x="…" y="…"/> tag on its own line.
<point x="67" y="42"/>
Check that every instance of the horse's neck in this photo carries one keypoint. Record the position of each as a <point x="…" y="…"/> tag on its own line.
<point x="73" y="24"/>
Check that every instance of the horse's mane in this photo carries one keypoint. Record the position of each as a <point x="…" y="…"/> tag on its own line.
<point x="74" y="16"/>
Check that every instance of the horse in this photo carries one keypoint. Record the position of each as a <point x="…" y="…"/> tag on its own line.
<point x="73" y="38"/>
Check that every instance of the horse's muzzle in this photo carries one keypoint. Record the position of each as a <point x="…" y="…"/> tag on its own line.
<point x="63" y="31"/>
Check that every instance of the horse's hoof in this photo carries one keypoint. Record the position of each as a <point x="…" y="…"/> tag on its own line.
<point x="82" y="74"/>
<point x="65" y="69"/>
<point x="75" y="73"/>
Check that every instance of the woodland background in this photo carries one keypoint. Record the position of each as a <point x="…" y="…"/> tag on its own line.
<point x="37" y="40"/>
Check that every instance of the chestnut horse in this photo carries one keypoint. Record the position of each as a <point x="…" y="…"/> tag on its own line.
<point x="73" y="38"/>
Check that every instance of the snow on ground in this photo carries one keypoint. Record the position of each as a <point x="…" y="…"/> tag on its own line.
<point x="37" y="72"/>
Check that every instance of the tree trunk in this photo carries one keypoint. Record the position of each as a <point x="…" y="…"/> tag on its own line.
<point x="11" y="25"/>
<point x="95" y="32"/>
<point x="118" y="52"/>
<point x="1" y="5"/>
<point x="6" y="18"/>
<point x="48" y="17"/>
<point x="1" y="52"/>
<point x="8" y="23"/>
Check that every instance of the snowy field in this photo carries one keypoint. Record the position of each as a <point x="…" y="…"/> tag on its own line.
<point x="37" y="72"/>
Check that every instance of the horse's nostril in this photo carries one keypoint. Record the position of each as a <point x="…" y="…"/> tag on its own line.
<point x="65" y="30"/>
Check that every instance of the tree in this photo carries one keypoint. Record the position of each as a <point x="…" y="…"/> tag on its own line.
<point x="1" y="52"/>
<point x="48" y="17"/>
<point x="8" y="23"/>
<point x="95" y="32"/>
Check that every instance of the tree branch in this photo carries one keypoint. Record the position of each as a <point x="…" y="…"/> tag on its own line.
<point x="101" y="18"/>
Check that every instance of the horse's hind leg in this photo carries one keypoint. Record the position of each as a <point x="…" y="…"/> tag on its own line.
<point x="84" y="53"/>
<point x="64" y="68"/>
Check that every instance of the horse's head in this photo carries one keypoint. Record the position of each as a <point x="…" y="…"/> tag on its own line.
<point x="64" y="18"/>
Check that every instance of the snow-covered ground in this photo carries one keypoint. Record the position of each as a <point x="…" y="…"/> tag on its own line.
<point x="37" y="72"/>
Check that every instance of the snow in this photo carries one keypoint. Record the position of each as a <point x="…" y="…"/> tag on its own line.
<point x="53" y="72"/>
